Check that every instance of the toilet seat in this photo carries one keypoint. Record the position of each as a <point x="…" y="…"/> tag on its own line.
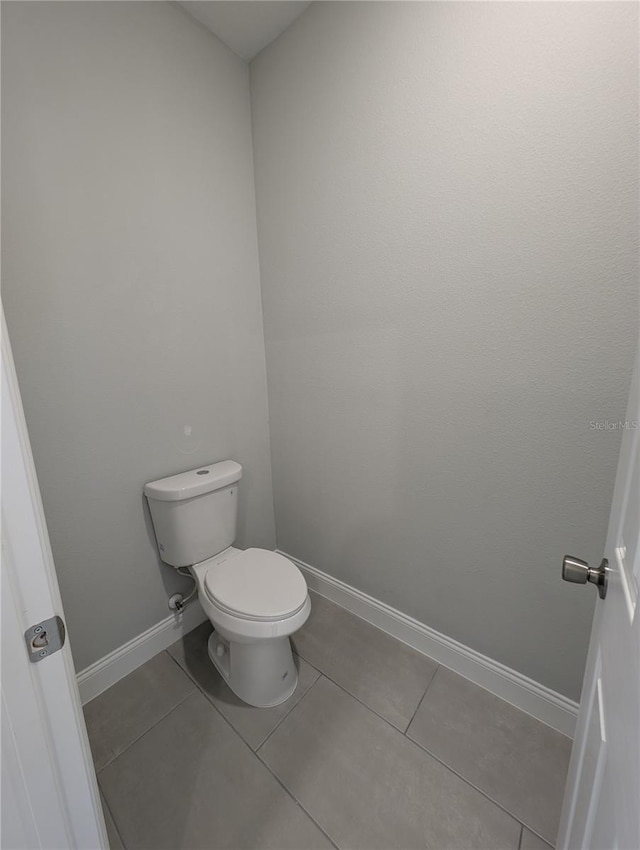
<point x="256" y="585"/>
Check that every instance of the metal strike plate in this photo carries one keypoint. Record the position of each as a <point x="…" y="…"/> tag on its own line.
<point x="45" y="638"/>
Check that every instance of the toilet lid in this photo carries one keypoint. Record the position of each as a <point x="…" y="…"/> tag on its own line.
<point x="257" y="584"/>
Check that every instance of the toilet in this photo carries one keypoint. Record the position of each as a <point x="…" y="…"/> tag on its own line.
<point x="254" y="598"/>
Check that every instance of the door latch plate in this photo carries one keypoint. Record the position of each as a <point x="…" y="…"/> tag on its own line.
<point x="45" y="638"/>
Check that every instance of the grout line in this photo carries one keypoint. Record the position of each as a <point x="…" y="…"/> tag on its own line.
<point x="357" y="699"/>
<point x="155" y="723"/>
<point x="255" y="752"/>
<point x="106" y="805"/>
<point x="293" y="707"/>
<point x="504" y="683"/>
<point x="186" y="671"/>
<point x="266" y="766"/>
<point x="277" y="778"/>
<point x="421" y="700"/>
<point x="295" y="800"/>
<point x="471" y="784"/>
<point x="416" y="743"/>
<point x="321" y="673"/>
<point x="326" y="675"/>
<point x="123" y="751"/>
<point x="291" y="710"/>
<point x="209" y="699"/>
<point x="430" y="754"/>
<point x="537" y="835"/>
<point x="235" y="732"/>
<point x="199" y="689"/>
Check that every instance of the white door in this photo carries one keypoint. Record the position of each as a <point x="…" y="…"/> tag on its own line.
<point x="50" y="796"/>
<point x="601" y="808"/>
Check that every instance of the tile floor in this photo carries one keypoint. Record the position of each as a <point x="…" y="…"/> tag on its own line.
<point x="379" y="748"/>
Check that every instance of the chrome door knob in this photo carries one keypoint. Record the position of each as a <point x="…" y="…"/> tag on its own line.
<point x="578" y="571"/>
<point x="575" y="569"/>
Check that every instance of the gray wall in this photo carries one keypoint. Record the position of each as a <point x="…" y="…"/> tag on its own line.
<point x="446" y="217"/>
<point x="131" y="287"/>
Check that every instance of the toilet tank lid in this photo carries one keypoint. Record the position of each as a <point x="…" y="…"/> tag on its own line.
<point x="195" y="482"/>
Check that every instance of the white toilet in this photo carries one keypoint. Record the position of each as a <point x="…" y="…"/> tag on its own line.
<point x="254" y="598"/>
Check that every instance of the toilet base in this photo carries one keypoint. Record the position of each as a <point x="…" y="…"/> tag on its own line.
<point x="262" y="674"/>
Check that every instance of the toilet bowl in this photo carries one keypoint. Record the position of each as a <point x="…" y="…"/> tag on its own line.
<point x="254" y="598"/>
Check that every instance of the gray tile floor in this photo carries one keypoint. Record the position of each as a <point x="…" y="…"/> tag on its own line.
<point x="379" y="748"/>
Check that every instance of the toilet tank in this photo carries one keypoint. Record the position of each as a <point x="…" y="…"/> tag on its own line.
<point x="194" y="513"/>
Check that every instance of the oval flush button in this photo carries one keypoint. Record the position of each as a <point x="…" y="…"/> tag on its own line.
<point x="202" y="472"/>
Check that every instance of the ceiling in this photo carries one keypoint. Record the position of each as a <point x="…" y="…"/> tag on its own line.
<point x="246" y="26"/>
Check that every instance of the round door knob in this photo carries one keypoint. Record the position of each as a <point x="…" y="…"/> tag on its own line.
<point x="578" y="571"/>
<point x="575" y="569"/>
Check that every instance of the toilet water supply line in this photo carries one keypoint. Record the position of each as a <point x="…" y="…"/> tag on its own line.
<point x="181" y="604"/>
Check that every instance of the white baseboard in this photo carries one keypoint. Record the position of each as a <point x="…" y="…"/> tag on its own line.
<point x="540" y="702"/>
<point x="537" y="700"/>
<point x="108" y="670"/>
